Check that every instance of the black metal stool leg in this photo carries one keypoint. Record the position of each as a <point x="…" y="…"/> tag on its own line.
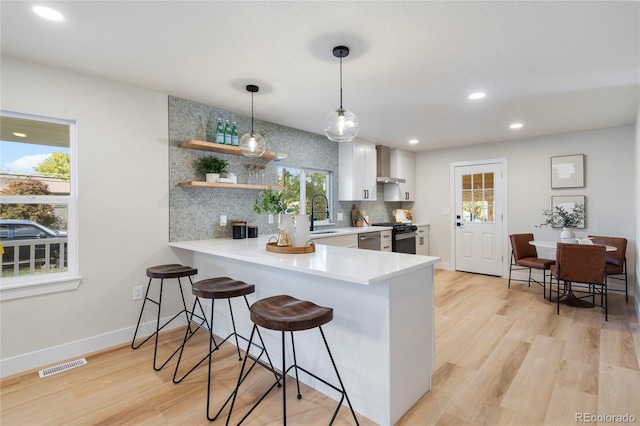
<point x="295" y="364"/>
<point x="240" y="379"/>
<point x="344" y="392"/>
<point x="135" y="334"/>
<point x="235" y="333"/>
<point x="210" y="359"/>
<point x="155" y="347"/>
<point x="284" y="382"/>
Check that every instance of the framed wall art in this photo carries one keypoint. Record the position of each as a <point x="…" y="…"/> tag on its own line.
<point x="567" y="171"/>
<point x="568" y="203"/>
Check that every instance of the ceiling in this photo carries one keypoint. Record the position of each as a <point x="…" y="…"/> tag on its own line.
<point x="557" y="67"/>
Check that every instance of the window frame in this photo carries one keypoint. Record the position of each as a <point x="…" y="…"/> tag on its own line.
<point x="303" y="196"/>
<point x="33" y="285"/>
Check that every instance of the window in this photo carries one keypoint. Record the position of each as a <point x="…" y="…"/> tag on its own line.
<point x="37" y="206"/>
<point x="299" y="196"/>
<point x="478" y="204"/>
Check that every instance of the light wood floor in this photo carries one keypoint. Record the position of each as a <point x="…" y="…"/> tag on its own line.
<point x="502" y="357"/>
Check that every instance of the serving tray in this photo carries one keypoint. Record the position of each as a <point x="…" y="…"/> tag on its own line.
<point x="309" y="248"/>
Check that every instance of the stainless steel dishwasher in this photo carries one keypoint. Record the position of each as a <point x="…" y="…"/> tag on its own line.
<point x="369" y="240"/>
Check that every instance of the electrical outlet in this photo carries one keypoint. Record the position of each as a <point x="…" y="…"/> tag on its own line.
<point x="223" y="220"/>
<point x="340" y="216"/>
<point x="137" y="292"/>
<point x="270" y="217"/>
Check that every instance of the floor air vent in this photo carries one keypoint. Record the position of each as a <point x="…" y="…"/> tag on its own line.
<point x="62" y="367"/>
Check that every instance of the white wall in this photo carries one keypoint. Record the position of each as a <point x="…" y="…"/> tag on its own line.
<point x="610" y="190"/>
<point x="636" y="260"/>
<point x="123" y="212"/>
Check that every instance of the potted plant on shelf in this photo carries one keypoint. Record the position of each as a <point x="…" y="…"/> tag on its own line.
<point x="273" y="202"/>
<point x="211" y="167"/>
<point x="565" y="218"/>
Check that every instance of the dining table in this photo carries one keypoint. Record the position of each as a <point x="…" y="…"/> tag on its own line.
<point x="572" y="299"/>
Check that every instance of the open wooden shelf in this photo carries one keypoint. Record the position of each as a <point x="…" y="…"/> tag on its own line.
<point x="202" y="184"/>
<point x="227" y="149"/>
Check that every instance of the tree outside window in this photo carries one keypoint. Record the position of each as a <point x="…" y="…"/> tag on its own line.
<point x="301" y="185"/>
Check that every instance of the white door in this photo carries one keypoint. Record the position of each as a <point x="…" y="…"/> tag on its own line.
<point x="478" y="218"/>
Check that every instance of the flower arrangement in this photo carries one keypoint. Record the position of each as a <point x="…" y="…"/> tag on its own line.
<point x="560" y="217"/>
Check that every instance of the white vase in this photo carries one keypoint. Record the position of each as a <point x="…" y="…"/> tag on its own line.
<point x="567" y="235"/>
<point x="302" y="230"/>
<point x="212" y="177"/>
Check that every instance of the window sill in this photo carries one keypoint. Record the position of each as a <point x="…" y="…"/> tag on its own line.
<point x="19" y="287"/>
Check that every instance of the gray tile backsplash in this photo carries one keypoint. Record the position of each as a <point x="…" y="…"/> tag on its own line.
<point x="194" y="213"/>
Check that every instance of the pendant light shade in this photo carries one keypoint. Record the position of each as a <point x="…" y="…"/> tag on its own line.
<point x="341" y="125"/>
<point x="252" y="144"/>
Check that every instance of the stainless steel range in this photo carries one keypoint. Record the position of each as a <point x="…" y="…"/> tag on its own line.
<point x="403" y="236"/>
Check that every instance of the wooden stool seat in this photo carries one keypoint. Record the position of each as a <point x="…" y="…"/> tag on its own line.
<point x="221" y="288"/>
<point x="286" y="313"/>
<point x="170" y="271"/>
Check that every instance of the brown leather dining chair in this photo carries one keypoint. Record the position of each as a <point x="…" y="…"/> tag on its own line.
<point x="616" y="260"/>
<point x="580" y="263"/>
<point x="525" y="256"/>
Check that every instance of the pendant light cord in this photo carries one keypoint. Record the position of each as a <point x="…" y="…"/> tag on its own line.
<point x="341" y="82"/>
<point x="251" y="112"/>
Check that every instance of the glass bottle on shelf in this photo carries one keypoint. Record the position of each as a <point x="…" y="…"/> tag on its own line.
<point x="219" y="132"/>
<point x="227" y="133"/>
<point x="202" y="132"/>
<point x="234" y="134"/>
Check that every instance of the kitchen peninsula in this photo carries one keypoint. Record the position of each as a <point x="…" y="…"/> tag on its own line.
<point x="382" y="335"/>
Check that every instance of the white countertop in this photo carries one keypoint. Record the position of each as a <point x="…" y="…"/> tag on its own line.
<point x="341" y="263"/>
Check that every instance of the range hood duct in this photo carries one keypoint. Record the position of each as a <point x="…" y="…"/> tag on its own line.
<point x="383" y="154"/>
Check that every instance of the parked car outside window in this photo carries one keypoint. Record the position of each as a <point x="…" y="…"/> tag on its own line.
<point x="27" y="230"/>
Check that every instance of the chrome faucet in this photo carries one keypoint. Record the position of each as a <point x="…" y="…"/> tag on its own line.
<point x="313" y="212"/>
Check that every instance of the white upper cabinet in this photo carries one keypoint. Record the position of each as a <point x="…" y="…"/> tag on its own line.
<point x="403" y="165"/>
<point x="357" y="169"/>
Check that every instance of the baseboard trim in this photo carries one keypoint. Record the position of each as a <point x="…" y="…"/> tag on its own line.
<point x="56" y="354"/>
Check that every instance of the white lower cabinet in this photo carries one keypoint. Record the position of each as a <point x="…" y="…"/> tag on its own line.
<point x="422" y="240"/>
<point x="385" y="240"/>
<point x="350" y="240"/>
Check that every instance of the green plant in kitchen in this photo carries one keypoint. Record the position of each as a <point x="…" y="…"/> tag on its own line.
<point x="211" y="164"/>
<point x="270" y="202"/>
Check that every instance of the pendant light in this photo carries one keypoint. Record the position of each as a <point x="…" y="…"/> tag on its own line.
<point x="252" y="144"/>
<point x="341" y="125"/>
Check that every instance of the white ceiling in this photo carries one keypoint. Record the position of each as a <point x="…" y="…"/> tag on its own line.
<point x="558" y="67"/>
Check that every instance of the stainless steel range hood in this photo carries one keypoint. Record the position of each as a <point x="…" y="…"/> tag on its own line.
<point x="383" y="154"/>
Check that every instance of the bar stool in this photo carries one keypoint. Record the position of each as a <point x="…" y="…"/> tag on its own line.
<point x="285" y="313"/>
<point x="214" y="289"/>
<point x="163" y="272"/>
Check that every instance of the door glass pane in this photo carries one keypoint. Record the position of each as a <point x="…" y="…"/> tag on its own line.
<point x="466" y="182"/>
<point x="478" y="204"/>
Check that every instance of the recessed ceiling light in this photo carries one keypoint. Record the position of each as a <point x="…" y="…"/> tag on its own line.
<point x="413" y="141"/>
<point x="516" y="126"/>
<point x="20" y="135"/>
<point x="477" y="95"/>
<point x="48" y="13"/>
